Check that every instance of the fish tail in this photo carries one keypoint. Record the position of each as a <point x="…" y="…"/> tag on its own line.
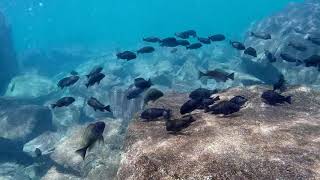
<point x="53" y="106"/>
<point x="82" y="152"/>
<point x="231" y="76"/>
<point x="201" y="74"/>
<point x="288" y="99"/>
<point x="299" y="62"/>
<point x="107" y="108"/>
<point x="167" y="114"/>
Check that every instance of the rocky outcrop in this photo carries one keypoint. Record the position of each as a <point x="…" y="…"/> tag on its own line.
<point x="259" y="142"/>
<point x="8" y="63"/>
<point x="293" y="24"/>
<point x="101" y="161"/>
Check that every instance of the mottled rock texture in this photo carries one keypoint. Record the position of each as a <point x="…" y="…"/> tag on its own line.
<point x="259" y="142"/>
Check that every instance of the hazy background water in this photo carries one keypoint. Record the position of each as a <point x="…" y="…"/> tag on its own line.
<point x="122" y="23"/>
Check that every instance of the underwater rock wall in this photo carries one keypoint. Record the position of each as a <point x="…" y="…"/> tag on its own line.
<point x="259" y="142"/>
<point x="294" y="24"/>
<point x="8" y="63"/>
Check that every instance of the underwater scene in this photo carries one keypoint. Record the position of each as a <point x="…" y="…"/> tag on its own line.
<point x="159" y="89"/>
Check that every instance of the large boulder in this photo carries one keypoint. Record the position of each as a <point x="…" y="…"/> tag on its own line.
<point x="8" y="63"/>
<point x="293" y="24"/>
<point x="101" y="162"/>
<point x="259" y="142"/>
<point x="23" y="122"/>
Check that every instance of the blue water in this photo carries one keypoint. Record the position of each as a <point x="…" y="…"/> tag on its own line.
<point x="115" y="24"/>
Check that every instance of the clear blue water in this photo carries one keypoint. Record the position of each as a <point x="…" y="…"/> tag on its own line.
<point x="114" y="23"/>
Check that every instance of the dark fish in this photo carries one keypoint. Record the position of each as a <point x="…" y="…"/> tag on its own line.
<point x="218" y="75"/>
<point x="92" y="134"/>
<point x="68" y="81"/>
<point x="208" y="102"/>
<point x="97" y="105"/>
<point x="154" y="113"/>
<point x="217" y="37"/>
<point x="194" y="46"/>
<point x="134" y="93"/>
<point x="95" y="70"/>
<point x="273" y="98"/>
<point x="95" y="78"/>
<point x="186" y="34"/>
<point x="314" y="40"/>
<point x="297" y="46"/>
<point x="65" y="101"/>
<point x="251" y="51"/>
<point x="74" y="73"/>
<point x="280" y="85"/>
<point x="204" y="40"/>
<point x="289" y="58"/>
<point x="174" y="50"/>
<point x="237" y="45"/>
<point x="169" y="42"/>
<point x="126" y="55"/>
<point x="179" y="124"/>
<point x="152" y="95"/>
<point x="261" y="35"/>
<point x="152" y="39"/>
<point x="224" y="107"/>
<point x="270" y="56"/>
<point x="182" y="42"/>
<point x="147" y="49"/>
<point x="239" y="100"/>
<point x="37" y="152"/>
<point x="202" y="93"/>
<point x="190" y="106"/>
<point x="142" y="83"/>
<point x="313" y="60"/>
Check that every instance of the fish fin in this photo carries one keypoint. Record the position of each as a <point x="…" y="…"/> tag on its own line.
<point x="101" y="140"/>
<point x="53" y="106"/>
<point x="217" y="98"/>
<point x="231" y="76"/>
<point x="299" y="62"/>
<point x="201" y="74"/>
<point x="288" y="99"/>
<point x="82" y="152"/>
<point x="107" y="108"/>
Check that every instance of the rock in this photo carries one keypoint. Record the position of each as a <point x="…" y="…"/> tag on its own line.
<point x="101" y="162"/>
<point x="54" y="174"/>
<point x="23" y="122"/>
<point x="259" y="142"/>
<point x="293" y="24"/>
<point x="45" y="142"/>
<point x="20" y="86"/>
<point x="8" y="64"/>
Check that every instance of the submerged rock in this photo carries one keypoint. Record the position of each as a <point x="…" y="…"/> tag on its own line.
<point x="259" y="142"/>
<point x="23" y="122"/>
<point x="101" y="161"/>
<point x="296" y="23"/>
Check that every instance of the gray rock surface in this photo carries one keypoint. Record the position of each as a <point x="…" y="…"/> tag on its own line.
<point x="259" y="142"/>
<point x="293" y="24"/>
<point x="101" y="162"/>
<point x="23" y="122"/>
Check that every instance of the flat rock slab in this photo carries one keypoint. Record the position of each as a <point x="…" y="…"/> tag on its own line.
<point x="259" y="142"/>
